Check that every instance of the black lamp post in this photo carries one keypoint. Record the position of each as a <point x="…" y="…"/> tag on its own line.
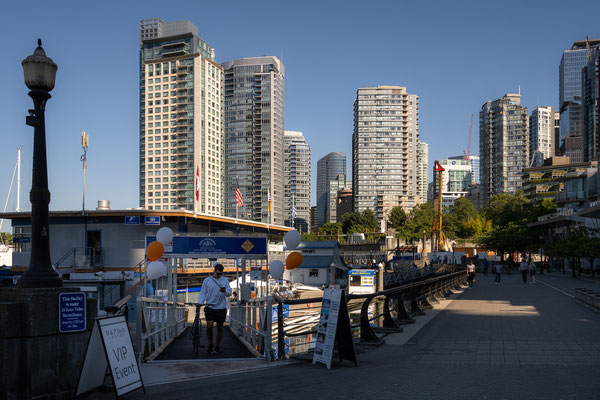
<point x="40" y="74"/>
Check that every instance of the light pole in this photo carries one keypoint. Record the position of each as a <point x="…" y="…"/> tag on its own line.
<point x="40" y="75"/>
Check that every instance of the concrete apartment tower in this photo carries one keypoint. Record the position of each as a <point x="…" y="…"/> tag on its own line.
<point x="297" y="181"/>
<point x="330" y="167"/>
<point x="181" y="119"/>
<point x="423" y="171"/>
<point x="385" y="146"/>
<point x="254" y="138"/>
<point x="541" y="135"/>
<point x="503" y="146"/>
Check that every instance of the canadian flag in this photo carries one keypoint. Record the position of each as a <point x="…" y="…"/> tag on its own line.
<point x="197" y="183"/>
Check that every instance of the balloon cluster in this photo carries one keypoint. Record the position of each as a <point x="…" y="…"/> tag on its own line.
<point x="294" y="259"/>
<point x="155" y="250"/>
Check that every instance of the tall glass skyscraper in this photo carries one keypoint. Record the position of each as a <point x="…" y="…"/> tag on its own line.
<point x="328" y="168"/>
<point x="569" y="100"/>
<point x="591" y="102"/>
<point x="181" y="119"/>
<point x="254" y="143"/>
<point x="297" y="181"/>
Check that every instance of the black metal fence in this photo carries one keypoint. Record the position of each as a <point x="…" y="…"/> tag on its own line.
<point x="383" y="311"/>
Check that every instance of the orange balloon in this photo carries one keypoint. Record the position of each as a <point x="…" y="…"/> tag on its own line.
<point x="155" y="251"/>
<point x="294" y="260"/>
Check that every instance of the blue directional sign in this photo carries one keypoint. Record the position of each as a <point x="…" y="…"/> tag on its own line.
<point x="71" y="312"/>
<point x="216" y="246"/>
<point x="152" y="220"/>
<point x="132" y="220"/>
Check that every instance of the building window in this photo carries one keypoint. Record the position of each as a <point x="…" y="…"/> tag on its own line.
<point x="313" y="273"/>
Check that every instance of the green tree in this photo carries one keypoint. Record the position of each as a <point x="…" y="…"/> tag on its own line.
<point x="397" y="218"/>
<point x="419" y="219"/>
<point x="369" y="220"/>
<point x="506" y="208"/>
<point x="329" y="231"/>
<point x="6" y="238"/>
<point x="351" y="222"/>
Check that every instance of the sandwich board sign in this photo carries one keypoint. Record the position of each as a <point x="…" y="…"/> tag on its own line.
<point x="334" y="329"/>
<point x="110" y="346"/>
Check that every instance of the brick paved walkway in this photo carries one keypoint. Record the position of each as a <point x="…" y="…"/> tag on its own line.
<point x="507" y="341"/>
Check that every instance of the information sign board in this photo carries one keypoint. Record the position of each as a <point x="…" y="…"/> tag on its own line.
<point x="132" y="220"/>
<point x="155" y="220"/>
<point x="110" y="346"/>
<point x="334" y="329"/>
<point x="216" y="246"/>
<point x="71" y="312"/>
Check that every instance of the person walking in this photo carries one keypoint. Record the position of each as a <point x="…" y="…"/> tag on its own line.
<point x="524" y="268"/>
<point x="485" y="266"/>
<point x="470" y="273"/>
<point x="215" y="290"/>
<point x="531" y="272"/>
<point x="498" y="272"/>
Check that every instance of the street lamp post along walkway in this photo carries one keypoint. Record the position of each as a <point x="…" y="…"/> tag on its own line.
<point x="40" y="76"/>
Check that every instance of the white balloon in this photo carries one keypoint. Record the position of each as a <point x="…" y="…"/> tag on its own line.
<point x="155" y="270"/>
<point x="276" y="269"/>
<point x="164" y="235"/>
<point x="292" y="239"/>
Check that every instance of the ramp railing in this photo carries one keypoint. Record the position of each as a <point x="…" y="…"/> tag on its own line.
<point x="251" y="323"/>
<point x="158" y="322"/>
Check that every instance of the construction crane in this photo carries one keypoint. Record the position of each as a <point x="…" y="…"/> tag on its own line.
<point x="441" y="240"/>
<point x="468" y="152"/>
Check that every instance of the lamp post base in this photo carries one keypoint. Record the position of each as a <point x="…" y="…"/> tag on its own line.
<point x="37" y="360"/>
<point x="40" y="279"/>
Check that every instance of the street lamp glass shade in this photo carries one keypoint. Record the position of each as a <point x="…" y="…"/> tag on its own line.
<point x="39" y="70"/>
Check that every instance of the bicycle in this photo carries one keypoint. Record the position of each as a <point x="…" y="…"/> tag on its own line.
<point x="196" y="330"/>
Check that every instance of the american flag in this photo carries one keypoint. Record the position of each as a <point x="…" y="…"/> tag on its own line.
<point x="238" y="195"/>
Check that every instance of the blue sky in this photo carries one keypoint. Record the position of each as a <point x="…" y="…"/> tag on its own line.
<point x="454" y="55"/>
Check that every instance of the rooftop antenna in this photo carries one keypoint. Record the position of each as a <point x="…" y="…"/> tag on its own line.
<point x="18" y="208"/>
<point x="85" y="139"/>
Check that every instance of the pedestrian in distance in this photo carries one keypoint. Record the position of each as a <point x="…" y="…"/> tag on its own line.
<point x="214" y="293"/>
<point x="498" y="272"/>
<point x="531" y="272"/>
<point x="524" y="268"/>
<point x="485" y="266"/>
<point x="470" y="273"/>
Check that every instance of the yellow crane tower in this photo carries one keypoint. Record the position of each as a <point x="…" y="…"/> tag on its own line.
<point x="441" y="243"/>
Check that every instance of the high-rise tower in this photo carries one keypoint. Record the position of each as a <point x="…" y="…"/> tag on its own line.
<point x="254" y="143"/>
<point x="503" y="145"/>
<point x="541" y="135"/>
<point x="423" y="171"/>
<point x="329" y="168"/>
<point x="181" y="125"/>
<point x="297" y="181"/>
<point x="385" y="144"/>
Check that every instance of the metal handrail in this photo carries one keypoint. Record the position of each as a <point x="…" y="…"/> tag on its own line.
<point x="421" y="292"/>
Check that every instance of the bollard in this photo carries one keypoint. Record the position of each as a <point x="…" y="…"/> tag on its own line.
<point x="280" y="332"/>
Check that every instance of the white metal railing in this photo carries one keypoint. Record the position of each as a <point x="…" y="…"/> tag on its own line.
<point x="158" y="322"/>
<point x="252" y="323"/>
